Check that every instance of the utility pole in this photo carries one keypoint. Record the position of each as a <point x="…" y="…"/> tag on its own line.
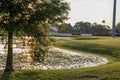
<point x="114" y="19"/>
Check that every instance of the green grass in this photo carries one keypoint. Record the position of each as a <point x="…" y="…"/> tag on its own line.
<point x="104" y="72"/>
<point x="96" y="45"/>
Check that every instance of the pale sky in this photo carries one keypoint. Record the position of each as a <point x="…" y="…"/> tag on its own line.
<point x="92" y="11"/>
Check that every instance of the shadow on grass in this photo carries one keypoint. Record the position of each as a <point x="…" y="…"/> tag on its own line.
<point x="87" y="38"/>
<point x="5" y="76"/>
<point x="93" y="48"/>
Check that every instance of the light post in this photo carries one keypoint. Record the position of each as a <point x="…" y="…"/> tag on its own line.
<point x="114" y="19"/>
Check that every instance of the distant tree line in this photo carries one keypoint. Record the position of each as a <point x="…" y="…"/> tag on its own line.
<point x="118" y="29"/>
<point x="90" y="28"/>
<point x="66" y="28"/>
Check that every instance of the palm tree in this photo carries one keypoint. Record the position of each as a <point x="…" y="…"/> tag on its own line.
<point x="103" y="22"/>
<point x="30" y="18"/>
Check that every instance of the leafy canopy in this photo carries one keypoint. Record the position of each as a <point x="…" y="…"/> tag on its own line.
<point x="32" y="18"/>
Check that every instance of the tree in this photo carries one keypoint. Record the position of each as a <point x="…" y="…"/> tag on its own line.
<point x="30" y="18"/>
<point x="85" y="27"/>
<point x="118" y="29"/>
<point x="66" y="28"/>
<point x="95" y="29"/>
<point x="103" y="22"/>
<point x="99" y="29"/>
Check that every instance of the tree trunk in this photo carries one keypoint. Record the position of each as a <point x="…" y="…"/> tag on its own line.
<point x="9" y="65"/>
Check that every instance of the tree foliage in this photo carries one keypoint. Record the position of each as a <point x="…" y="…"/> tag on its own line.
<point x="118" y="29"/>
<point x="30" y="18"/>
<point x="95" y="29"/>
<point x="86" y="28"/>
<point x="66" y="28"/>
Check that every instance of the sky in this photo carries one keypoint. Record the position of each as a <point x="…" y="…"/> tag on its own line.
<point x="92" y="11"/>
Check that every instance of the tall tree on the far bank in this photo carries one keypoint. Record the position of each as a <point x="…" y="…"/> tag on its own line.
<point x="118" y="28"/>
<point x="30" y="18"/>
<point x="103" y="22"/>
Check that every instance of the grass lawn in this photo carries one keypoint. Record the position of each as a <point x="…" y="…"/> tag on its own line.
<point x="105" y="46"/>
